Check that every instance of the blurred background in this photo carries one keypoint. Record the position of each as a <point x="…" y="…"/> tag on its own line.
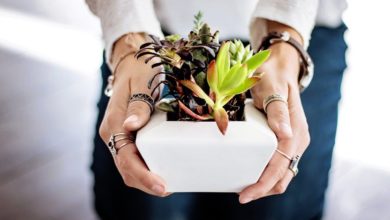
<point x="50" y="52"/>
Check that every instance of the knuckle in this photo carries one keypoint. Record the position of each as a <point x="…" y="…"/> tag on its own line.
<point x="146" y="181"/>
<point x="279" y="172"/>
<point x="280" y="188"/>
<point x="305" y="134"/>
<point x="128" y="181"/>
<point x="103" y="131"/>
<point x="306" y="139"/>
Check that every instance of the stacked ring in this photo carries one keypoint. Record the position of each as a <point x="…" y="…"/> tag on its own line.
<point x="115" y="138"/>
<point x="272" y="98"/>
<point x="142" y="97"/>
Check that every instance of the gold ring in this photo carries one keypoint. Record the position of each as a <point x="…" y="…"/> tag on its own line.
<point x="273" y="98"/>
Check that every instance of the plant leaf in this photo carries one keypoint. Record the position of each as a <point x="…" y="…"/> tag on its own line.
<point x="197" y="91"/>
<point x="212" y="76"/>
<point x="226" y="100"/>
<point x="166" y="107"/>
<point x="193" y="114"/>
<point x="247" y="84"/>
<point x="223" y="61"/>
<point x="222" y="119"/>
<point x="234" y="78"/>
<point x="256" y="60"/>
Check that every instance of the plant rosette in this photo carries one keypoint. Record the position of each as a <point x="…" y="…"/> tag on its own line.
<point x="206" y="83"/>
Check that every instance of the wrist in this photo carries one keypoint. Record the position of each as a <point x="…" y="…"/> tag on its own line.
<point x="285" y="38"/>
<point x="273" y="26"/>
<point x="127" y="44"/>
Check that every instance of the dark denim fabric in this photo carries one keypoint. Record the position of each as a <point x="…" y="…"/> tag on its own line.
<point x="303" y="200"/>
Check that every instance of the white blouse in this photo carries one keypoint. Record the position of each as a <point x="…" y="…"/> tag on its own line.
<point x="233" y="18"/>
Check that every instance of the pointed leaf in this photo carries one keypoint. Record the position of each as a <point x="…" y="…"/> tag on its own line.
<point x="226" y="100"/>
<point x="233" y="79"/>
<point x="212" y="76"/>
<point x="256" y="60"/>
<point x="222" y="119"/>
<point x="197" y="91"/>
<point x="247" y="84"/>
<point x="223" y="61"/>
<point x="166" y="107"/>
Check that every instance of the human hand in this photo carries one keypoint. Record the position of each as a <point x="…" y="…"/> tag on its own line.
<point x="131" y="77"/>
<point x="288" y="121"/>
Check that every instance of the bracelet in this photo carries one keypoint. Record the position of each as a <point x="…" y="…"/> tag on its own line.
<point x="306" y="64"/>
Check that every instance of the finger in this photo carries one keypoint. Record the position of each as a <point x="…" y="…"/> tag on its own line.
<point x="135" y="173"/>
<point x="279" y="119"/>
<point x="116" y="111"/>
<point x="272" y="174"/>
<point x="282" y="185"/>
<point x="138" y="113"/>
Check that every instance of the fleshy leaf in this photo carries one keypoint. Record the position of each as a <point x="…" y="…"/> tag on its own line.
<point x="212" y="76"/>
<point x="166" y="107"/>
<point x="226" y="100"/>
<point x="222" y="119"/>
<point x="193" y="114"/>
<point x="197" y="91"/>
<point x="247" y="84"/>
<point x="223" y="61"/>
<point x="256" y="60"/>
<point x="233" y="79"/>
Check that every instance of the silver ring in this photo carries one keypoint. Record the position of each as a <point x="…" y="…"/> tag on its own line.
<point x="294" y="165"/>
<point x="272" y="98"/>
<point x="293" y="162"/>
<point x="114" y="138"/>
<point x="142" y="97"/>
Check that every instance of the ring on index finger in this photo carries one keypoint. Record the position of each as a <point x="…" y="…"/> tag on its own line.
<point x="273" y="98"/>
<point x="115" y="138"/>
<point x="293" y="162"/>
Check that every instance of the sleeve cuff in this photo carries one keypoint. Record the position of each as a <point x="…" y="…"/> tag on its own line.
<point x="120" y="17"/>
<point x="298" y="14"/>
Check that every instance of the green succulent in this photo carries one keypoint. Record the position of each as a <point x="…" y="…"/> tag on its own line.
<point x="226" y="81"/>
<point x="239" y="53"/>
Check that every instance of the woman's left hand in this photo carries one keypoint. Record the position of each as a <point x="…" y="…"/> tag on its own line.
<point x="288" y="121"/>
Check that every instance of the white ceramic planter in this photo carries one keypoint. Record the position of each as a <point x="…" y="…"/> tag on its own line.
<point x="196" y="157"/>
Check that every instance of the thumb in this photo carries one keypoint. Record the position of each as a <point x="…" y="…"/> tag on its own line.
<point x="138" y="114"/>
<point x="279" y="119"/>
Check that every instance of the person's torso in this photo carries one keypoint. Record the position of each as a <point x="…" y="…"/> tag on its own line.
<point x="231" y="17"/>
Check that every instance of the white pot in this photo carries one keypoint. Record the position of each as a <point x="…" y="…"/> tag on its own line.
<point x="196" y="157"/>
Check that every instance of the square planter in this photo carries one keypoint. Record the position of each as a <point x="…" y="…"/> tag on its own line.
<point x="196" y="157"/>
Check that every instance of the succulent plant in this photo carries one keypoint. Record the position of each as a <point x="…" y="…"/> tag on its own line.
<point x="227" y="81"/>
<point x="239" y="53"/>
<point x="206" y="79"/>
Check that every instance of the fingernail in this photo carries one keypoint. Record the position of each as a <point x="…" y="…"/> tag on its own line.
<point x="158" y="189"/>
<point x="245" y="200"/>
<point x="286" y="128"/>
<point x="132" y="118"/>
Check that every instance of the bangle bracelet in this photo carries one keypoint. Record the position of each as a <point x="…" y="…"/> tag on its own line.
<point x="306" y="64"/>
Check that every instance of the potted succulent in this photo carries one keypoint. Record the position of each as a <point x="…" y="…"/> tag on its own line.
<point x="206" y="82"/>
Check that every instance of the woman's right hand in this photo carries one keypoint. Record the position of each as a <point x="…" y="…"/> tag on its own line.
<point x="131" y="77"/>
